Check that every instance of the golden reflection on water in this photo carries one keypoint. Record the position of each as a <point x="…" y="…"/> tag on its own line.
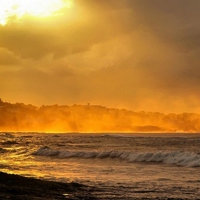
<point x="30" y="166"/>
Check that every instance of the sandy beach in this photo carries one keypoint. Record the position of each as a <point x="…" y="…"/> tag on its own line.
<point x="20" y="188"/>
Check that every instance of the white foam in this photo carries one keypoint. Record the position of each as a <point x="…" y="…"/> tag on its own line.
<point x="178" y="158"/>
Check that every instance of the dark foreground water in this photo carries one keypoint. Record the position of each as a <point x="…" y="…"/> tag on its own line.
<point x="120" y="166"/>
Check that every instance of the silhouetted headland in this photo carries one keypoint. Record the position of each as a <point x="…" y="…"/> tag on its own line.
<point x="91" y="118"/>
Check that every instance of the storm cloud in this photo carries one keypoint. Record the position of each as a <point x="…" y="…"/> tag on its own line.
<point x="135" y="54"/>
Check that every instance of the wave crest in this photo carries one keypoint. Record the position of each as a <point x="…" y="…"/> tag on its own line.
<point x="178" y="158"/>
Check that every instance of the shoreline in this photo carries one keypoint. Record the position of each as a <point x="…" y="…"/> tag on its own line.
<point x="22" y="188"/>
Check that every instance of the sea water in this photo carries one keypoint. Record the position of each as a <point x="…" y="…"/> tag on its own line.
<point x="119" y="166"/>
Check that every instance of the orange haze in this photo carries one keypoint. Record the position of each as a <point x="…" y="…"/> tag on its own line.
<point x="91" y="118"/>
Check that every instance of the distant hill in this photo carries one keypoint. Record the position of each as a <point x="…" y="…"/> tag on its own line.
<point x="91" y="118"/>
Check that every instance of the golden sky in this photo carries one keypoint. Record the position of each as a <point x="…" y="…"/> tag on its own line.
<point x="134" y="54"/>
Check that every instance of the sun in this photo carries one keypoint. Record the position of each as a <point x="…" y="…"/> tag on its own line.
<point x="38" y="8"/>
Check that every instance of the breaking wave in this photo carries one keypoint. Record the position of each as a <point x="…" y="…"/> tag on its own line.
<point x="175" y="157"/>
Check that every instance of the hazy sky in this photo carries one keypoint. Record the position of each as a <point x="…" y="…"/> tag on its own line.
<point x="134" y="54"/>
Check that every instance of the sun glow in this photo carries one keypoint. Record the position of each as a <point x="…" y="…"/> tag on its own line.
<point x="16" y="9"/>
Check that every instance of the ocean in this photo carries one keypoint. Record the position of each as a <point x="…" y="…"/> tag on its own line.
<point x="120" y="166"/>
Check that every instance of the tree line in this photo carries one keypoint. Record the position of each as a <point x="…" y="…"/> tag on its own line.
<point x="91" y="118"/>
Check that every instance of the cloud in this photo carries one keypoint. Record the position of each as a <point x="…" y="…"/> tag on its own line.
<point x="33" y="38"/>
<point x="7" y="58"/>
<point x="98" y="21"/>
<point x="134" y="54"/>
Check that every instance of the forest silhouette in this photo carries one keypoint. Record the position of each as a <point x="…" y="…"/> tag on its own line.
<point x="20" y="117"/>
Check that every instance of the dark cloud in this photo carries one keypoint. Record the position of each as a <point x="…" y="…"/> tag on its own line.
<point x="33" y="40"/>
<point x="27" y="42"/>
<point x="92" y="24"/>
<point x="98" y="21"/>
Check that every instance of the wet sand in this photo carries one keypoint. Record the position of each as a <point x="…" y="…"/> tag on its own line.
<point x="20" y="188"/>
<point x="16" y="187"/>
